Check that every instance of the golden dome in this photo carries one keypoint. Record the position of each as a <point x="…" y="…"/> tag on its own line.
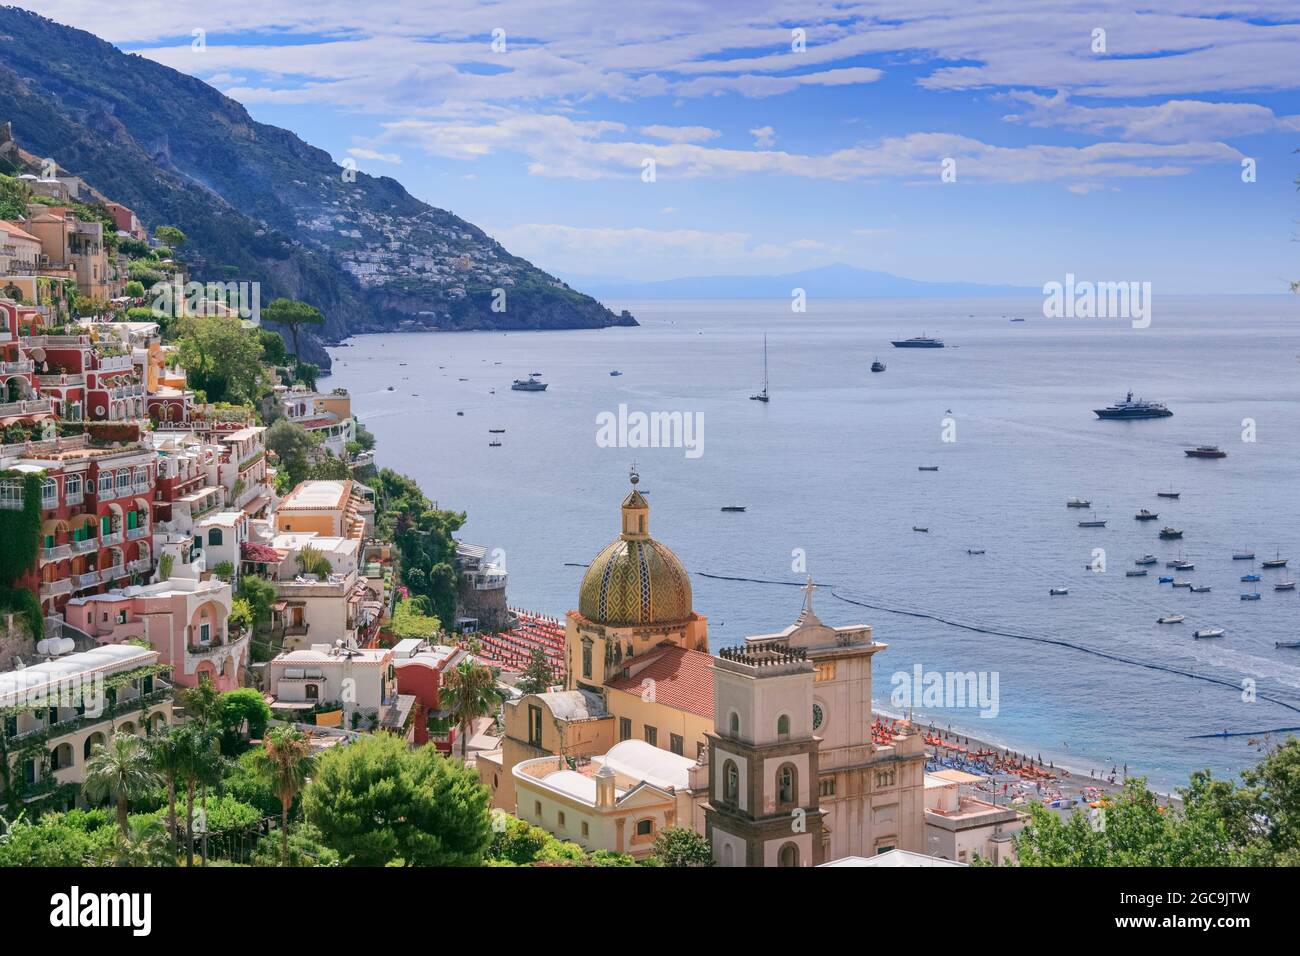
<point x="635" y="580"/>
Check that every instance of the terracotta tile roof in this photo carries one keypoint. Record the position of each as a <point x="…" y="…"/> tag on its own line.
<point x="15" y="230"/>
<point x="682" y="678"/>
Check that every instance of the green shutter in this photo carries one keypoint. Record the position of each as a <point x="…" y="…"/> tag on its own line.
<point x="103" y="525"/>
<point x="131" y="519"/>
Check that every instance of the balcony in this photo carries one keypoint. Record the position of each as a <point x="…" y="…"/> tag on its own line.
<point x="87" y="580"/>
<point x="139" y="565"/>
<point x="135" y="534"/>
<point x="56" y="553"/>
<point x="113" y="573"/>
<point x="110" y="539"/>
<point x="21" y="367"/>
<point x="73" y="498"/>
<point x="25" y="408"/>
<point x="55" y="588"/>
<point x="84" y="545"/>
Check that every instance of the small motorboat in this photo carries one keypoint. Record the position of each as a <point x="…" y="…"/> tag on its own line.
<point x="1208" y="632"/>
<point x="927" y="468"/>
<point x="974" y="550"/>
<point x="1136" y="574"/>
<point x="733" y="507"/>
<point x="1286" y="643"/>
<point x="1250" y="596"/>
<point x="1200" y="589"/>
<point x="615" y="373"/>
<point x="1170" y="534"/>
<point x="1165" y="580"/>
<point x="462" y="380"/>
<point x="1275" y="562"/>
<point x="1249" y="577"/>
<point x="461" y="414"/>
<point x="1145" y="559"/>
<point x="1171" y="619"/>
<point x="1243" y="555"/>
<point x="494" y="444"/>
<point x="915" y="528"/>
<point x="1145" y="515"/>
<point x="1056" y="592"/>
<point x="1182" y="565"/>
<point x="1284" y="586"/>
<point x="877" y="366"/>
<point x="1078" y="503"/>
<point x="1101" y="523"/>
<point x="1205" y="451"/>
<point x="1168" y="494"/>
<point x="390" y="389"/>
<point x="1182" y="584"/>
<point x="496" y="431"/>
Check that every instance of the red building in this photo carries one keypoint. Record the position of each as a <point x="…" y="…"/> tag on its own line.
<point x="419" y="674"/>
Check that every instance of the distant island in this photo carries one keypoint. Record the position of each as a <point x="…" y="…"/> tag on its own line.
<point x="837" y="281"/>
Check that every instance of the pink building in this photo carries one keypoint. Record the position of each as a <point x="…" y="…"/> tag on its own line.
<point x="184" y="620"/>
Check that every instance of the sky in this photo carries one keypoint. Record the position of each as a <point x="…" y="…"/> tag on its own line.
<point x="1006" y="141"/>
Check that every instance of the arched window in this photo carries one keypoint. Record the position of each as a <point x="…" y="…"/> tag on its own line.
<point x="72" y="485"/>
<point x="733" y="724"/>
<point x="785" y="784"/>
<point x="123" y="481"/>
<point x="728" y="855"/>
<point x="106" y="485"/>
<point x="11" y="493"/>
<point x="789" y="855"/>
<point x="730" y="782"/>
<point x="783" y="727"/>
<point x="214" y="536"/>
<point x="93" y="741"/>
<point x="49" y="493"/>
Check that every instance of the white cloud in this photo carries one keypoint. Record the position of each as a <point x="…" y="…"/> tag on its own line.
<point x="360" y="152"/>
<point x="680" y="134"/>
<point x="764" y="137"/>
<point x="1174" y="121"/>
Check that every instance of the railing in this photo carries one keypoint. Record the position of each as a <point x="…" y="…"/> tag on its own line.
<point x="113" y="573"/>
<point x="59" y="379"/>
<point x="21" y="366"/>
<point x="110" y="539"/>
<point x="56" y="553"/>
<point x="140" y="564"/>
<point x="73" y="498"/>
<point x="32" y="407"/>
<point x="89" y="579"/>
<point x="133" y="534"/>
<point x="52" y="588"/>
<point x="84" y="545"/>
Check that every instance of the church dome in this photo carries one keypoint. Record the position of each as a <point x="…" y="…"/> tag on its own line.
<point x="635" y="580"/>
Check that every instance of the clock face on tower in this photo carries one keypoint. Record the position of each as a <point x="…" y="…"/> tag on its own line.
<point x="819" y="716"/>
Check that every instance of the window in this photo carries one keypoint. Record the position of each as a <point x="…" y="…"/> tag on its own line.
<point x="645" y="828"/>
<point x="535" y="726"/>
<point x="72" y="485"/>
<point x="105" y="486"/>
<point x="883" y="849"/>
<point x="828" y="787"/>
<point x="625" y="728"/>
<point x="586" y="658"/>
<point x="733" y="724"/>
<point x="49" y="493"/>
<point x="311" y="692"/>
<point x="560" y="818"/>
<point x="789" y="855"/>
<point x="123" y="481"/>
<point x="675" y="743"/>
<point x="652" y="735"/>
<point x="785" y="785"/>
<point x="824" y="672"/>
<point x="214" y="536"/>
<point x="537" y="809"/>
<point x="11" y="493"/>
<point x="585" y="829"/>
<point x="205" y="634"/>
<point x="730" y="783"/>
<point x="886" y="778"/>
<point x="783" y="727"/>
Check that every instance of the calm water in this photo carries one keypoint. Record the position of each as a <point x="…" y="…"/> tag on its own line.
<point x="830" y="467"/>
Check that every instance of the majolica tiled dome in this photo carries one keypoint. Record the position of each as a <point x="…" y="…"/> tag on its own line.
<point x="635" y="580"/>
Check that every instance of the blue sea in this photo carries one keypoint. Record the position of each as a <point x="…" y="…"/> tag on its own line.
<point x="828" y="472"/>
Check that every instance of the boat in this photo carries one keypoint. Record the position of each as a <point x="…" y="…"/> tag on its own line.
<point x="1099" y="523"/>
<point x="921" y="341"/>
<point x="974" y="550"/>
<point x="1205" y="451"/>
<point x="494" y="444"/>
<point x="1250" y="596"/>
<point x="1168" y="494"/>
<point x="1182" y="584"/>
<point x="1130" y="409"/>
<point x="1208" y="632"/>
<point x="496" y="431"/>
<point x="927" y="468"/>
<point x="1136" y="574"/>
<point x="615" y="373"/>
<point x="1246" y="578"/>
<point x="1286" y="643"/>
<point x="1171" y="619"/>
<point x="1200" y="589"/>
<point x="1054" y="592"/>
<point x="877" y="366"/>
<point x="915" y="528"/>
<point x="762" y="396"/>
<point x="1243" y="555"/>
<point x="1181" y="565"/>
<point x="530" y="384"/>
<point x="1146" y="559"/>
<point x="1078" y="503"/>
<point x="1017" y="320"/>
<point x="390" y="389"/>
<point x="462" y="380"/>
<point x="1145" y="515"/>
<point x="733" y="507"/>
<point x="1169" y="534"/>
<point x="1166" y="580"/>
<point x="1284" y="586"/>
<point x="1275" y="562"/>
<point x="461" y="414"/>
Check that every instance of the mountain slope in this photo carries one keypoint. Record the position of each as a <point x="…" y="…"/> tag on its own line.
<point x="258" y="203"/>
<point x="828" y="282"/>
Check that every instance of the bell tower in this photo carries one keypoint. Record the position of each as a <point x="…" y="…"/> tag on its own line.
<point x="763" y="803"/>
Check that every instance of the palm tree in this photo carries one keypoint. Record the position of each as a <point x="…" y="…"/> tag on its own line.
<point x="209" y="769"/>
<point x="469" y="691"/>
<point x="145" y="845"/>
<point x="172" y="755"/>
<point x="286" y="760"/>
<point x="120" y="771"/>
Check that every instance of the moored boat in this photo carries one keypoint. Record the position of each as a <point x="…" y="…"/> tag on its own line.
<point x="733" y="507"/>
<point x="1169" y="534"/>
<point x="1146" y="559"/>
<point x="1205" y="451"/>
<point x="1171" y="494"/>
<point x="1099" y="523"/>
<point x="919" y="342"/>
<point x="1250" y="596"/>
<point x="927" y="467"/>
<point x="1145" y="515"/>
<point x="1243" y="555"/>
<point x="1286" y="643"/>
<point x="1078" y="503"/>
<point x="530" y="384"/>
<point x="1200" y="589"/>
<point x="1057" y="592"/>
<point x="1247" y="578"/>
<point x="877" y="366"/>
<point x="1136" y="574"/>
<point x="1284" y="586"/>
<point x="1275" y="562"/>
<point x="1208" y="632"/>
<point x="1166" y="580"/>
<point x="1171" y="619"/>
<point x="1130" y="409"/>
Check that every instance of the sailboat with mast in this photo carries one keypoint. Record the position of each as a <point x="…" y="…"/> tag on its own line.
<point x="762" y="396"/>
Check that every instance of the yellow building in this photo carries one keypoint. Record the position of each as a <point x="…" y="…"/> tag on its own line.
<point x="637" y="662"/>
